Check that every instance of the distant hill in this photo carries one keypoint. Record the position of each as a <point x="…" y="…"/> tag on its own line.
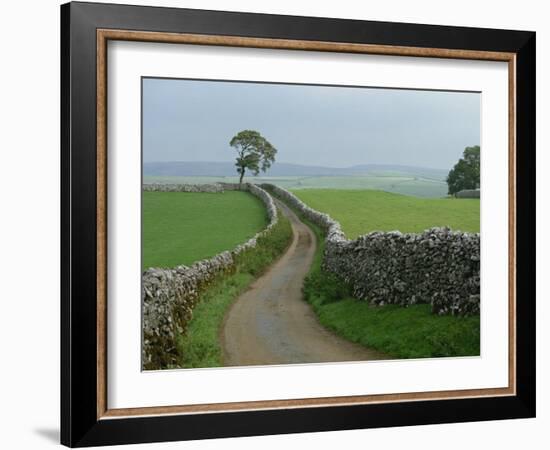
<point x="424" y="172"/>
<point x="225" y="169"/>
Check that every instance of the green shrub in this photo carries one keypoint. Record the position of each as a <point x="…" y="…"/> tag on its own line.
<point x="323" y="287"/>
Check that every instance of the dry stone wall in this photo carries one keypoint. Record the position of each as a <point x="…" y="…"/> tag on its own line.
<point x="468" y="193"/>
<point x="169" y="295"/>
<point x="439" y="266"/>
<point x="330" y="227"/>
<point x="161" y="187"/>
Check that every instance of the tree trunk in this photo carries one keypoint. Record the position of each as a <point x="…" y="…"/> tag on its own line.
<point x="241" y="178"/>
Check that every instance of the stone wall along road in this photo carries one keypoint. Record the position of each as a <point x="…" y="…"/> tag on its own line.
<point x="169" y="295"/>
<point x="440" y="267"/>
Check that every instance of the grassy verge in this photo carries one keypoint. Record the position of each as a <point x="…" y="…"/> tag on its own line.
<point x="200" y="346"/>
<point x="411" y="332"/>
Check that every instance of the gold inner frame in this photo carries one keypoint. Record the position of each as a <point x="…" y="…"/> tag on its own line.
<point x="104" y="35"/>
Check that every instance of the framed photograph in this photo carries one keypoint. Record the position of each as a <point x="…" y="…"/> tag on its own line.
<point x="278" y="224"/>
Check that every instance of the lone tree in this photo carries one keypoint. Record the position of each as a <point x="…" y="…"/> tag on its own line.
<point x="465" y="173"/>
<point x="255" y="153"/>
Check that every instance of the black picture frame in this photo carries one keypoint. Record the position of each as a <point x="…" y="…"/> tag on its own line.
<point x="80" y="425"/>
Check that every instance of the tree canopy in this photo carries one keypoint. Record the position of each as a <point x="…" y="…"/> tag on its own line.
<point x="465" y="173"/>
<point x="254" y="152"/>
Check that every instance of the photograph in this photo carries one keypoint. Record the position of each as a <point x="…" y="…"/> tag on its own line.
<point x="288" y="223"/>
<point x="271" y="223"/>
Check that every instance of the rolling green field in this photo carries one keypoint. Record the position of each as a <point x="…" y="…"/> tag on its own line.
<point x="360" y="212"/>
<point x="401" y="183"/>
<point x="173" y="222"/>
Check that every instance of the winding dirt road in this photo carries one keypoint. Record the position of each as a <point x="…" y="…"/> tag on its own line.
<point x="270" y="323"/>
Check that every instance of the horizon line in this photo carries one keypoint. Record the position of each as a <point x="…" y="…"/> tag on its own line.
<point x="305" y="165"/>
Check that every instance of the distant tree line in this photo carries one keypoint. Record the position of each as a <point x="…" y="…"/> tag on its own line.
<point x="465" y="173"/>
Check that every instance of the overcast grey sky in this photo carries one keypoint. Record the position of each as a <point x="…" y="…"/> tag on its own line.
<point x="187" y="120"/>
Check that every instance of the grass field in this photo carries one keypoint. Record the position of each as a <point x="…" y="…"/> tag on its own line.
<point x="401" y="183"/>
<point x="412" y="332"/>
<point x="181" y="228"/>
<point x="362" y="211"/>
